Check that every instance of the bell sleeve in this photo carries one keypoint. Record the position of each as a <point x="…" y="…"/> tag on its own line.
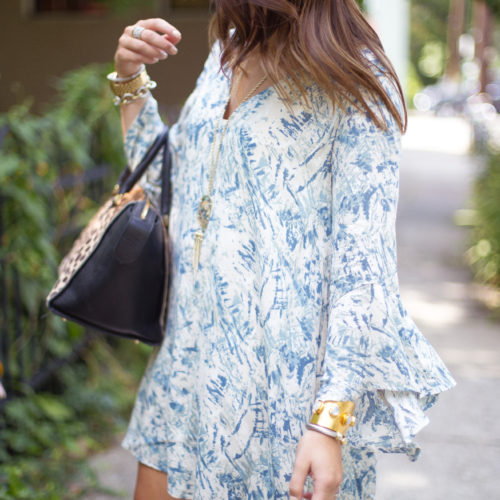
<point x="374" y="354"/>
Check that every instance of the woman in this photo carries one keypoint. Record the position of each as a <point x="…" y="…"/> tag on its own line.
<point x="285" y="319"/>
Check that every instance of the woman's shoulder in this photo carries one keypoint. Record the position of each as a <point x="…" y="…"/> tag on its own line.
<point x="212" y="65"/>
<point x="389" y="83"/>
<point x="352" y="114"/>
<point x="381" y="72"/>
<point x="318" y="103"/>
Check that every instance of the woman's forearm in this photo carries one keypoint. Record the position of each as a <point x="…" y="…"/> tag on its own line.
<point x="129" y="112"/>
<point x="147" y="42"/>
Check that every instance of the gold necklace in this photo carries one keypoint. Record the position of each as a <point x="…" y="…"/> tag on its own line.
<point x="205" y="205"/>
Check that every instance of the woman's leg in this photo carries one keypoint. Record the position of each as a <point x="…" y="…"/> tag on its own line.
<point x="151" y="484"/>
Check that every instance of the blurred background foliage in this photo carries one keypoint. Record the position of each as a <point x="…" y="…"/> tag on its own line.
<point x="55" y="170"/>
<point x="468" y="85"/>
<point x="39" y="154"/>
<point x="428" y="41"/>
<point x="494" y="6"/>
<point x="484" y="252"/>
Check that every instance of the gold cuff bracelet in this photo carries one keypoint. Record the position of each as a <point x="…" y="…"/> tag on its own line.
<point x="337" y="416"/>
<point x="132" y="89"/>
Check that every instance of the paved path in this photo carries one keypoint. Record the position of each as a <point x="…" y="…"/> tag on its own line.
<point x="461" y="446"/>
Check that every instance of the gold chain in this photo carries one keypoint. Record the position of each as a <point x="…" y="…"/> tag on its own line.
<point x="205" y="205"/>
<point x="214" y="163"/>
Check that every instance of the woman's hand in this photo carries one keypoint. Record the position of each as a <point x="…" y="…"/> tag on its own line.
<point x="158" y="39"/>
<point x="320" y="457"/>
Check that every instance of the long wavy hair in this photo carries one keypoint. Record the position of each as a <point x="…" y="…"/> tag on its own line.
<point x="322" y="40"/>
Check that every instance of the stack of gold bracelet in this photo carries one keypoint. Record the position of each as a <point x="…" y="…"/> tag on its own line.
<point x="333" y="418"/>
<point x="128" y="89"/>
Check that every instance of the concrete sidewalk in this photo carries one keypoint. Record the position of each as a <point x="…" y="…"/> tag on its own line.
<point x="461" y="446"/>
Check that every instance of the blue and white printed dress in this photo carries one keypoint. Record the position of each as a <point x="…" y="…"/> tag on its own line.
<point x="296" y="297"/>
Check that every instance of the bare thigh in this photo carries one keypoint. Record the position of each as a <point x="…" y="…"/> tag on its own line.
<point x="151" y="484"/>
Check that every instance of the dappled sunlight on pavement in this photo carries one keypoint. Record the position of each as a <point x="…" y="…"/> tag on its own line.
<point x="451" y="135"/>
<point x="435" y="313"/>
<point x="461" y="445"/>
<point x="116" y="470"/>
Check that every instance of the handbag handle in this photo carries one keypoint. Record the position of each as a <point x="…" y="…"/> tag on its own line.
<point x="129" y="178"/>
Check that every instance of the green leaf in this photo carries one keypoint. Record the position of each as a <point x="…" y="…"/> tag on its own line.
<point x="8" y="165"/>
<point x="54" y="408"/>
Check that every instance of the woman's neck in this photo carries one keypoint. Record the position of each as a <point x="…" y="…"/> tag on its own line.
<point x="251" y="73"/>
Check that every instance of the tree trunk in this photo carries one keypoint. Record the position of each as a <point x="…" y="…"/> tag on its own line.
<point x="483" y="25"/>
<point x="456" y="20"/>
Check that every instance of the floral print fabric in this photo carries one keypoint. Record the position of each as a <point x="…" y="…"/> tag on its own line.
<point x="296" y="297"/>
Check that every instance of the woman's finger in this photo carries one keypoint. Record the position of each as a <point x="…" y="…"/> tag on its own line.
<point x="153" y="39"/>
<point x="161" y="26"/>
<point x="325" y="489"/>
<point x="133" y="58"/>
<point x="158" y="41"/>
<point x="143" y="49"/>
<point x="299" y="475"/>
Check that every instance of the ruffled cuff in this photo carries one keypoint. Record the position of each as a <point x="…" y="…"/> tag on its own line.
<point x="376" y="356"/>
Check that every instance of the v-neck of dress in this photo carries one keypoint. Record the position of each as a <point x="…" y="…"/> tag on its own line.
<point x="255" y="96"/>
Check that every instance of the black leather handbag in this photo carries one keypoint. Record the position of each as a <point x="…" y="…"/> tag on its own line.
<point x="115" y="277"/>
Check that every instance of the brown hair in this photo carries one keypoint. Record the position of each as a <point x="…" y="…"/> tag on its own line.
<point x="303" y="39"/>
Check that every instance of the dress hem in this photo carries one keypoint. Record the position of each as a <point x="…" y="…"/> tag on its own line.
<point x="138" y="453"/>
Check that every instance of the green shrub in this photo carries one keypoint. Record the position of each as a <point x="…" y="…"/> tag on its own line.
<point x="39" y="218"/>
<point x="484" y="254"/>
<point x="46" y="435"/>
<point x="45" y="439"/>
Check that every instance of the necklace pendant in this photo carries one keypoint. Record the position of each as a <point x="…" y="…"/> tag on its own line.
<point x="204" y="211"/>
<point x="198" y="240"/>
